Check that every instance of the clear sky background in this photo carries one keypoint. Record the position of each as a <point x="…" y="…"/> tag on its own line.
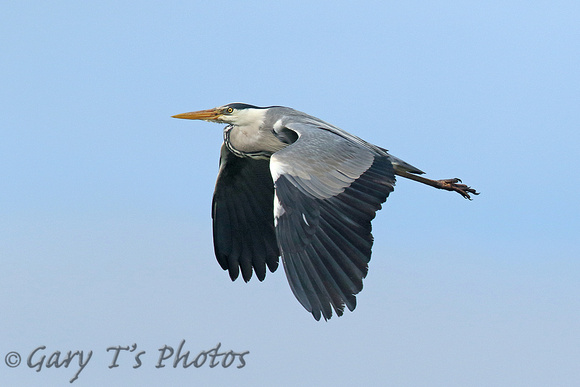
<point x="105" y="229"/>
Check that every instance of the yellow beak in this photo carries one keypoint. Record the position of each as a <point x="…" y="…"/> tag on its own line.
<point x="206" y="115"/>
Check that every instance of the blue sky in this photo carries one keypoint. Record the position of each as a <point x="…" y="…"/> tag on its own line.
<point x="105" y="230"/>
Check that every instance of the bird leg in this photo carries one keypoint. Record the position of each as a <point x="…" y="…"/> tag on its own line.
<point x="446" y="184"/>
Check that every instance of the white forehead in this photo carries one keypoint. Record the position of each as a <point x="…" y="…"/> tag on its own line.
<point x="249" y="116"/>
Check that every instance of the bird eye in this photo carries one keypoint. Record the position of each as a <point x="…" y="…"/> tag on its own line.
<point x="229" y="110"/>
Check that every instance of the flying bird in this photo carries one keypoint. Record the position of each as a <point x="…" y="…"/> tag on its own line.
<point x="293" y="186"/>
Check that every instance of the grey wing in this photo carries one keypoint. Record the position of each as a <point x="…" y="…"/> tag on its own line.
<point x="243" y="220"/>
<point x="327" y="191"/>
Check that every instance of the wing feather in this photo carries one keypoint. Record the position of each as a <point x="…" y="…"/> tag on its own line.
<point x="328" y="189"/>
<point x="243" y="220"/>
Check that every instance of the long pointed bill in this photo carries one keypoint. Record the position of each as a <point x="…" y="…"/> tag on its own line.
<point x="206" y="115"/>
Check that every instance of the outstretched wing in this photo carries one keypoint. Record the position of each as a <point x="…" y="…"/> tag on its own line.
<point x="243" y="219"/>
<point x="327" y="190"/>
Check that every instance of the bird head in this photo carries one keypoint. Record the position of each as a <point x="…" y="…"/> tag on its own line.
<point x="234" y="113"/>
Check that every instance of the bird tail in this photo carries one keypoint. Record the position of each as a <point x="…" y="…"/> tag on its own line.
<point x="399" y="164"/>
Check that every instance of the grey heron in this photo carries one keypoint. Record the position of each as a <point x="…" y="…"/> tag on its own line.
<point x="293" y="186"/>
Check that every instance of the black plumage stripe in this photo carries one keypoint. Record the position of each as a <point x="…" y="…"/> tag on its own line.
<point x="243" y="220"/>
<point x="326" y="243"/>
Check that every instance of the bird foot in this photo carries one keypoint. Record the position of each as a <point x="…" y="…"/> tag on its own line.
<point x="452" y="185"/>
